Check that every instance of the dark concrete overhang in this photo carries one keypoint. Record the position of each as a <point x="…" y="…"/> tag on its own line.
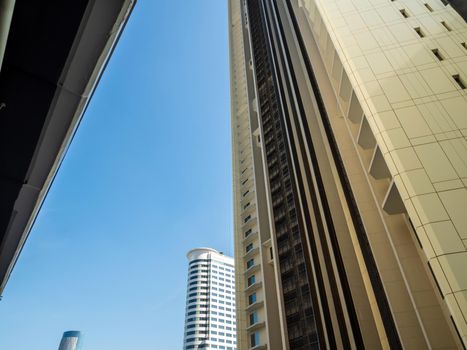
<point x="53" y="59"/>
<point x="459" y="5"/>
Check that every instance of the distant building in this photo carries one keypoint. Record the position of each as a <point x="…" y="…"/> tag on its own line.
<point x="210" y="301"/>
<point x="70" y="341"/>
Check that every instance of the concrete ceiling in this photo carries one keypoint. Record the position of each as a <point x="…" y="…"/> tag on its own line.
<point x="54" y="56"/>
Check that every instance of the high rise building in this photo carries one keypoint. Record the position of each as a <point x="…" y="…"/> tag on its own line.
<point x="70" y="341"/>
<point x="349" y="126"/>
<point x="210" y="301"/>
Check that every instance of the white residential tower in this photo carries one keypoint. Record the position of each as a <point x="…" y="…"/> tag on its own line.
<point x="210" y="307"/>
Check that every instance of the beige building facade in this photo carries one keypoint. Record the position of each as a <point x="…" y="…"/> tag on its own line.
<point x="349" y="136"/>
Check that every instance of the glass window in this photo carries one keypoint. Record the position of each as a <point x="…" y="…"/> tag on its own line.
<point x="250" y="263"/>
<point x="251" y="280"/>
<point x="254" y="339"/>
<point x="253" y="318"/>
<point x="252" y="298"/>
<point x="249" y="247"/>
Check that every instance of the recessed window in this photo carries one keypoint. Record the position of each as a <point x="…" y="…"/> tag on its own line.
<point x="419" y="32"/>
<point x="446" y="26"/>
<point x="404" y="13"/>
<point x="250" y="263"/>
<point x="249" y="247"/>
<point x="437" y="54"/>
<point x="251" y="280"/>
<point x="252" y="299"/>
<point x="464" y="45"/>
<point x="254" y="339"/>
<point x="253" y="318"/>
<point x="429" y="7"/>
<point x="459" y="81"/>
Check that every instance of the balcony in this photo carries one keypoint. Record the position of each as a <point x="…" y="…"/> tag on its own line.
<point x="253" y="268"/>
<point x="253" y="287"/>
<point x="255" y="306"/>
<point x="248" y="208"/>
<point x="250" y="253"/>
<point x="256" y="326"/>
<point x="249" y="223"/>
<point x="250" y="237"/>
<point x="247" y="197"/>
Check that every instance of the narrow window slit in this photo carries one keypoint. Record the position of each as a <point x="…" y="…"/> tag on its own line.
<point x="464" y="45"/>
<point x="436" y="281"/>
<point x="404" y="13"/>
<point x="415" y="234"/>
<point x="437" y="54"/>
<point x="459" y="81"/>
<point x="429" y="7"/>
<point x="446" y="26"/>
<point x="419" y="32"/>
<point x="457" y="329"/>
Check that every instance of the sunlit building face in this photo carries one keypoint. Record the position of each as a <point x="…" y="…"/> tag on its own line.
<point x="349" y="173"/>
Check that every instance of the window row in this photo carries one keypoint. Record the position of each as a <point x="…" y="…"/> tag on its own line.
<point x="222" y="302"/>
<point x="213" y="264"/>
<point x="198" y="287"/>
<point x="221" y="314"/>
<point x="203" y="286"/>
<point x="222" y="327"/>
<point x="200" y="282"/>
<point x="203" y="300"/>
<point x="222" y="296"/>
<point x="212" y="346"/>
<point x="231" y="285"/>
<point x="221" y="320"/>
<point x="220" y="340"/>
<point x="223" y="308"/>
<point x="232" y="291"/>
<point x="214" y="272"/>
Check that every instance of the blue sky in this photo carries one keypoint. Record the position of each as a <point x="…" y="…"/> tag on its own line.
<point x="147" y="177"/>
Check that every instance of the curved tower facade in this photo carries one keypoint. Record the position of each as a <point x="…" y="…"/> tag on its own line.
<point x="210" y="302"/>
<point x="70" y="341"/>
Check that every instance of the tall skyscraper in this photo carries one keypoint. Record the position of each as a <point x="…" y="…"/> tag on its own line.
<point x="349" y="126"/>
<point x="70" y="341"/>
<point x="210" y="301"/>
